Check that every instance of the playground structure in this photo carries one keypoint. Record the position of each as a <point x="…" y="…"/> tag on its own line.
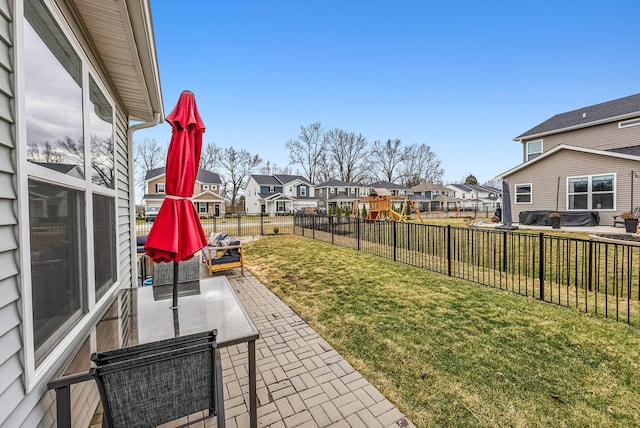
<point x="381" y="207"/>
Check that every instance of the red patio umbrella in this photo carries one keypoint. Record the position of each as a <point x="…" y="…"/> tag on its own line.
<point x="176" y="233"/>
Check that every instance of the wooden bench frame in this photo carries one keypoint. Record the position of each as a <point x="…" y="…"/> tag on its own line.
<point x="212" y="266"/>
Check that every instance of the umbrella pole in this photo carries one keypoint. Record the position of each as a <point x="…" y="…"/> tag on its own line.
<point x="175" y="285"/>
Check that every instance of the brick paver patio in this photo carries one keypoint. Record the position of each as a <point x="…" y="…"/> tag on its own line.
<point x="302" y="380"/>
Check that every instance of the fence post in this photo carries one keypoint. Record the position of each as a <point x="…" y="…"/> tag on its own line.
<point x="313" y="226"/>
<point x="261" y="225"/>
<point x="358" y="232"/>
<point x="449" y="249"/>
<point x="215" y="226"/>
<point x="395" y="240"/>
<point x="541" y="268"/>
<point x="504" y="251"/>
<point x="239" y="232"/>
<point x="331" y="224"/>
<point x="590" y="267"/>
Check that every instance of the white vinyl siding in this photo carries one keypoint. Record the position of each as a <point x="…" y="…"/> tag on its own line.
<point x="12" y="389"/>
<point x="523" y="193"/>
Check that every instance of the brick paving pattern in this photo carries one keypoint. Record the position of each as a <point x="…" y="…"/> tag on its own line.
<point x="302" y="380"/>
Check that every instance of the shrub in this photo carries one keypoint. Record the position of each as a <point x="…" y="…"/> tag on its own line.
<point x="554" y="215"/>
<point x="364" y="212"/>
<point x="627" y="215"/>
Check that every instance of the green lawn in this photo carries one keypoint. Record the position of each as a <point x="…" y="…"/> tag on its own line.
<point x="448" y="352"/>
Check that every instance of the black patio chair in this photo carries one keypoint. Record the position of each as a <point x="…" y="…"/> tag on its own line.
<point x="148" y="385"/>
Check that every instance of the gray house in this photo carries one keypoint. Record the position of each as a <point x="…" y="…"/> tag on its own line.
<point x="337" y="193"/>
<point x="432" y="197"/>
<point x="584" y="160"/>
<point x="74" y="75"/>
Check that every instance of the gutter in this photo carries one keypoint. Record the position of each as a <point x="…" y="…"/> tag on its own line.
<point x="157" y="118"/>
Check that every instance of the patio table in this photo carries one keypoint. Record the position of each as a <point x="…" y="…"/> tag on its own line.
<point x="202" y="306"/>
<point x="144" y="316"/>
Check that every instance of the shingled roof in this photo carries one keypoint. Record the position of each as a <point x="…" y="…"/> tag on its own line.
<point x="586" y="116"/>
<point x="203" y="176"/>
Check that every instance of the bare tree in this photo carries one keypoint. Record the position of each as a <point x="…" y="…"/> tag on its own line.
<point x="326" y="170"/>
<point x="347" y="151"/>
<point x="49" y="153"/>
<point x="420" y="164"/>
<point x="273" y="168"/>
<point x="210" y="157"/>
<point x="388" y="156"/>
<point x="238" y="165"/>
<point x="306" y="150"/>
<point x="493" y="183"/>
<point x="148" y="155"/>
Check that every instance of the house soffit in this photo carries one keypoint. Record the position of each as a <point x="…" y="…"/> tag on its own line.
<point x="121" y="33"/>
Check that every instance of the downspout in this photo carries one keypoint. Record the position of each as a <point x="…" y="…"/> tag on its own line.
<point x="157" y="117"/>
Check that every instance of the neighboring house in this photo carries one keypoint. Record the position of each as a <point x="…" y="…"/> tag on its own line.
<point x="433" y="197"/>
<point x="337" y="193"/>
<point x="582" y="160"/>
<point x="477" y="198"/>
<point x="278" y="194"/>
<point x="206" y="192"/>
<point x="73" y="73"/>
<point x="392" y="188"/>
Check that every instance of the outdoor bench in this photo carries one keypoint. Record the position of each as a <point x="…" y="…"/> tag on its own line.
<point x="223" y="257"/>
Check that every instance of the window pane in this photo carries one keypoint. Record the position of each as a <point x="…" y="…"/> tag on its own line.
<point x="523" y="198"/>
<point x="104" y="241"/>
<point x="578" y="185"/>
<point x="56" y="219"/>
<point x="53" y="95"/>
<point x="534" y="146"/>
<point x="522" y="188"/>
<point x="602" y="201"/>
<point x="578" y="202"/>
<point x="602" y="183"/>
<point x="101" y="137"/>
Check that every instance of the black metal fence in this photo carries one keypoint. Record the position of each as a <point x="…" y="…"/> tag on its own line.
<point x="599" y="278"/>
<point x="237" y="225"/>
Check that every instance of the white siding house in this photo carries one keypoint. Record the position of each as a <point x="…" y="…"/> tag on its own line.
<point x="73" y="75"/>
<point x="278" y="194"/>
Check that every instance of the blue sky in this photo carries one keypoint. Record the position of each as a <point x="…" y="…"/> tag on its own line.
<point x="464" y="77"/>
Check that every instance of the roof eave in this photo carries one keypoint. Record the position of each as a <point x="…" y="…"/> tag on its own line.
<point x="567" y="147"/>
<point x="120" y="32"/>
<point x="520" y="138"/>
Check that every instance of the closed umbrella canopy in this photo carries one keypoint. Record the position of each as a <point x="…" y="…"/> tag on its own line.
<point x="177" y="233"/>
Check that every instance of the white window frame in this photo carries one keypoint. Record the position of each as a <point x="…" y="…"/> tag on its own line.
<point x="529" y="153"/>
<point x="628" y="123"/>
<point x="303" y="190"/>
<point x="589" y="192"/>
<point x="205" y="187"/>
<point x="160" y="187"/>
<point x="34" y="375"/>
<point x="530" y="193"/>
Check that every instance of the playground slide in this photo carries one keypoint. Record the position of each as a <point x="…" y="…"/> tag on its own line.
<point x="395" y="215"/>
